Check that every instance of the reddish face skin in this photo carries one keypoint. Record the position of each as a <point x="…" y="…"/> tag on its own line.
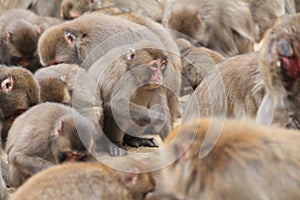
<point x="157" y="67"/>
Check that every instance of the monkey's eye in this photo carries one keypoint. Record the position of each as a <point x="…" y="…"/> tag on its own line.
<point x="154" y="65"/>
<point x="164" y="64"/>
<point x="15" y="59"/>
<point x="70" y="6"/>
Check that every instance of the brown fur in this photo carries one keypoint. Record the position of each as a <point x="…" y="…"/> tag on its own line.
<point x="230" y="89"/>
<point x="19" y="34"/>
<point x="71" y="85"/>
<point x="196" y="62"/>
<point x="125" y="85"/>
<point x="223" y="26"/>
<point x="279" y="66"/>
<point x="83" y="181"/>
<point x="154" y="9"/>
<point x="239" y="164"/>
<point x="3" y="189"/>
<point x="23" y="95"/>
<point x="45" y="135"/>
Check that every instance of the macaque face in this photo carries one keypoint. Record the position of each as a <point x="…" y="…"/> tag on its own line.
<point x="280" y="54"/>
<point x="157" y="67"/>
<point x="151" y="73"/>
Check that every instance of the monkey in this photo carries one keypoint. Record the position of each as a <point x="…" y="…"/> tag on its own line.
<point x="134" y="96"/>
<point x="71" y="85"/>
<point x="86" y="181"/>
<point x="231" y="89"/>
<point x="230" y="34"/>
<point x="212" y="152"/>
<point x="173" y="51"/>
<point x="278" y="65"/>
<point x="45" y="135"/>
<point x="20" y="31"/>
<point x="196" y="62"/>
<point x="19" y="91"/>
<point x="46" y="8"/>
<point x="265" y="13"/>
<point x="153" y="9"/>
<point x="43" y="8"/>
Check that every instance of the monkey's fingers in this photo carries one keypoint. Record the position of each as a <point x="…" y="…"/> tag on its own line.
<point x="117" y="150"/>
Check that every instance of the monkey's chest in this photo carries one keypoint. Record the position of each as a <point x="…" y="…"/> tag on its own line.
<point x="145" y="98"/>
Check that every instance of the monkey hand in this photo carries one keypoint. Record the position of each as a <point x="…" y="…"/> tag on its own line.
<point x="117" y="150"/>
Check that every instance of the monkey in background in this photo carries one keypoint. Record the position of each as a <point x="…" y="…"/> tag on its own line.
<point x="153" y="9"/>
<point x="230" y="34"/>
<point x="196" y="62"/>
<point x="19" y="91"/>
<point x="232" y="88"/>
<point x="71" y="85"/>
<point x="279" y="67"/>
<point x="45" y="135"/>
<point x="86" y="181"/>
<point x="219" y="159"/>
<point x="19" y="34"/>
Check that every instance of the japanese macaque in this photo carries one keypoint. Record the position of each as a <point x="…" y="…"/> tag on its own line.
<point x="86" y="181"/>
<point x="45" y="135"/>
<point x="154" y="9"/>
<point x="19" y="91"/>
<point x="229" y="27"/>
<point x="19" y="34"/>
<point x="71" y="85"/>
<point x="224" y="26"/>
<point x="232" y="88"/>
<point x="279" y="66"/>
<point x="217" y="159"/>
<point x="196" y="62"/>
<point x="134" y="95"/>
<point x="47" y="8"/>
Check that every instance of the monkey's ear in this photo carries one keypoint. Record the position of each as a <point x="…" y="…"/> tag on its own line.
<point x="8" y="36"/>
<point x="58" y="128"/>
<point x="7" y="84"/>
<point x="38" y="30"/>
<point x="130" y="54"/>
<point x="131" y="178"/>
<point x="71" y="37"/>
<point x="63" y="78"/>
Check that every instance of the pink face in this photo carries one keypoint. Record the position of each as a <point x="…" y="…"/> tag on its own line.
<point x="157" y="67"/>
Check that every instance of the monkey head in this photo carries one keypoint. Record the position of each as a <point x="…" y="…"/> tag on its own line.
<point x="71" y="9"/>
<point x="280" y="55"/>
<point x="21" y="40"/>
<point x="73" y="139"/>
<point x="59" y="44"/>
<point x="19" y="91"/>
<point x="147" y="65"/>
<point x="189" y="24"/>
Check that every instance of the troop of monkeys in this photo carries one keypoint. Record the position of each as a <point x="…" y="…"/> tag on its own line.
<point x="83" y="78"/>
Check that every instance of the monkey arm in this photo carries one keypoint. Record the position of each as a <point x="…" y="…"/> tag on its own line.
<point x="29" y="164"/>
<point x="122" y="108"/>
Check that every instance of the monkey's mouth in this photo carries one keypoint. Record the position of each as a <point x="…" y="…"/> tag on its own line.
<point x="289" y="62"/>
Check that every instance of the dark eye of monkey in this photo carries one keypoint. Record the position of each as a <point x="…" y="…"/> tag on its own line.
<point x="62" y="157"/>
<point x="15" y="59"/>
